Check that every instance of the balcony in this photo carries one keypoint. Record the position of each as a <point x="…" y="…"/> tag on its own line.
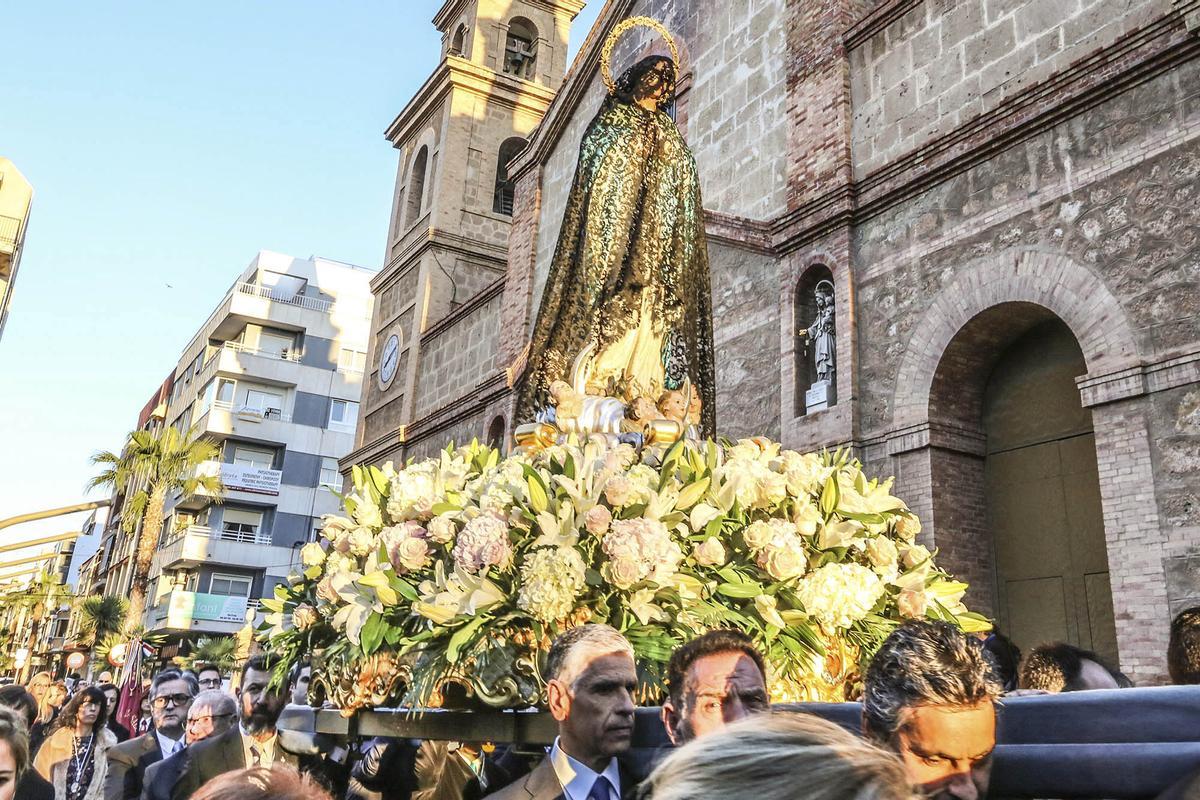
<point x="179" y="610"/>
<point x="252" y="424"/>
<point x="197" y="545"/>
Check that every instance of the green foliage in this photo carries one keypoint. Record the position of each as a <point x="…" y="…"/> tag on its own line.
<point x="100" y="615"/>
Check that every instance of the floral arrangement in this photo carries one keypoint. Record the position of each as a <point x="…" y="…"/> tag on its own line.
<point x="461" y="569"/>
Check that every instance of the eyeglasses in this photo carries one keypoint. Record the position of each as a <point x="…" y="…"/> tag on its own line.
<point x="175" y="699"/>
<point x="210" y="683"/>
<point x="207" y="718"/>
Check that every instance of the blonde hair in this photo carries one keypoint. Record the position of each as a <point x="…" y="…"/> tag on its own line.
<point x="780" y="756"/>
<point x="277" y="782"/>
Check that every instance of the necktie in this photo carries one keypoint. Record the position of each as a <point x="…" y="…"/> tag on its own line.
<point x="601" y="789"/>
<point x="255" y="756"/>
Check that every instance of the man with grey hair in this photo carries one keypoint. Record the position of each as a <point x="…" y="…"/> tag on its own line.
<point x="930" y="695"/>
<point x="212" y="713"/>
<point x="171" y="694"/>
<point x="590" y="683"/>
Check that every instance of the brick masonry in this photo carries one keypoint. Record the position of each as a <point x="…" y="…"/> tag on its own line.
<point x="964" y="170"/>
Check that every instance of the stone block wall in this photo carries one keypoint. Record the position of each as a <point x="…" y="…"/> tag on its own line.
<point x="457" y="355"/>
<point x="944" y="63"/>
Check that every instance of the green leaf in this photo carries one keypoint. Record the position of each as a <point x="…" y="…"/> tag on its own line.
<point x="741" y="590"/>
<point x="445" y="508"/>
<point x="371" y="635"/>
<point x="831" y="495"/>
<point x="461" y="638"/>
<point x="405" y="588"/>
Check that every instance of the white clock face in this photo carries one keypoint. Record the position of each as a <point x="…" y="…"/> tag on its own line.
<point x="389" y="359"/>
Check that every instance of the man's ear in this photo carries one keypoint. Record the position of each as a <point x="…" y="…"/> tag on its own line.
<point x="558" y="699"/>
<point x="670" y="721"/>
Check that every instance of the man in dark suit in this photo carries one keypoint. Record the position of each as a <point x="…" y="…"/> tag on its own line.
<point x="171" y="694"/>
<point x="212" y="713"/>
<point x="591" y="679"/>
<point x="252" y="742"/>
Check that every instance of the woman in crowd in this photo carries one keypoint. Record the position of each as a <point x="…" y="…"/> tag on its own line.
<point x="30" y="785"/>
<point x="278" y="782"/>
<point x="784" y="756"/>
<point x="14" y="753"/>
<point x="74" y="756"/>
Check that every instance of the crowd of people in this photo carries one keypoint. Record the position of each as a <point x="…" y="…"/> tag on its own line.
<point x="927" y="729"/>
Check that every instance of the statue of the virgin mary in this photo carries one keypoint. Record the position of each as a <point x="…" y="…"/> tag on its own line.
<point x="627" y="299"/>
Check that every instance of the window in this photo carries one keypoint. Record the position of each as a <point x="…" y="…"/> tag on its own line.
<point x="520" y="49"/>
<point x="459" y="42"/>
<point x="343" y="415"/>
<point x="416" y="186"/>
<point x="225" y="390"/>
<point x="204" y="403"/>
<point x="240" y="525"/>
<point x="269" y="404"/>
<point x="276" y="344"/>
<point x="249" y="457"/>
<point x="231" y="585"/>
<point x="329" y="474"/>
<point x="351" y="360"/>
<point x="502" y="202"/>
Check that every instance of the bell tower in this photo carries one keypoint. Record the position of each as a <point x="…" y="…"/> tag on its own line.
<point x="447" y="242"/>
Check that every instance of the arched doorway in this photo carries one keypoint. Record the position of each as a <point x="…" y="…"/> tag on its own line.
<point x="1016" y="493"/>
<point x="1042" y="494"/>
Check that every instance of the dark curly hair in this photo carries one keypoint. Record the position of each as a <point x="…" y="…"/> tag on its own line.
<point x="708" y="644"/>
<point x="631" y="79"/>
<point x="1183" y="653"/>
<point x="70" y="712"/>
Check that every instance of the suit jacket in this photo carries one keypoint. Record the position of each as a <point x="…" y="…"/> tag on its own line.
<point x="215" y="756"/>
<point x="34" y="787"/>
<point x="160" y="778"/>
<point x="542" y="784"/>
<point x="127" y="763"/>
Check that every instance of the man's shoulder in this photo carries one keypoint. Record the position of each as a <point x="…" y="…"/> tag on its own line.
<point x="212" y="744"/>
<point x="540" y="784"/>
<point x="134" y="748"/>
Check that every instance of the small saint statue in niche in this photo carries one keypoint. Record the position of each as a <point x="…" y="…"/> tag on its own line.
<point x="821" y="333"/>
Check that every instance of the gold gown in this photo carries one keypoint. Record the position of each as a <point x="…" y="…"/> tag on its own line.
<point x="630" y="272"/>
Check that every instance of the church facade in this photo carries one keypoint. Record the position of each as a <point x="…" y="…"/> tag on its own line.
<point x="996" y="198"/>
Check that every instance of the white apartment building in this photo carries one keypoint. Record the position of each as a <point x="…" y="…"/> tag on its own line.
<point x="273" y="376"/>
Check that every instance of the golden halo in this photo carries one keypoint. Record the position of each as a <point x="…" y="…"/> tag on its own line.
<point x="618" y="31"/>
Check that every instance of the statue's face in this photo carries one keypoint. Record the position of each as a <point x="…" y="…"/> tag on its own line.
<point x="653" y="86"/>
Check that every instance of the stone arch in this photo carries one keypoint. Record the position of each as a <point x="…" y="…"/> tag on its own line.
<point x="502" y="196"/>
<point x="458" y="42"/>
<point x="521" y="48"/>
<point x="495" y="432"/>
<point x="1050" y="280"/>
<point x="804" y="313"/>
<point x="414" y="197"/>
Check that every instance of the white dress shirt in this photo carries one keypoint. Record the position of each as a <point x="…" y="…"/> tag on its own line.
<point x="577" y="778"/>
<point x="265" y="748"/>
<point x="168" y="746"/>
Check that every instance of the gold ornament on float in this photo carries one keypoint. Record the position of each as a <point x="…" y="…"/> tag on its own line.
<point x="617" y="32"/>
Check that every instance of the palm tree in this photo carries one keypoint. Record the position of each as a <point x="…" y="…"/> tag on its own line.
<point x="44" y="595"/>
<point x="214" y="651"/>
<point x="149" y="468"/>
<point x="100" y="615"/>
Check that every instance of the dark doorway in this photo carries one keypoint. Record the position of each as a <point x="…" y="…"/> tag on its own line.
<point x="1043" y="496"/>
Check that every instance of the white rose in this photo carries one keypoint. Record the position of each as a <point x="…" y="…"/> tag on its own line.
<point x="908" y="526"/>
<point x="622" y="572"/>
<point x="312" y="555"/>
<point x="619" y="491"/>
<point x="882" y="552"/>
<point x="710" y="552"/>
<point x="758" y="535"/>
<point x="596" y="520"/>
<point x="911" y="604"/>
<point x="361" y="542"/>
<point x="442" y="529"/>
<point x="915" y="554"/>
<point x="784" y="563"/>
<point x="807" y="517"/>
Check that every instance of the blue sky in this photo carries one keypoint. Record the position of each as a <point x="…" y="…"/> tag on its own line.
<point x="167" y="144"/>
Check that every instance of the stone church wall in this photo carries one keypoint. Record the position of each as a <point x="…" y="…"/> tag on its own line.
<point x="457" y="354"/>
<point x="941" y="64"/>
